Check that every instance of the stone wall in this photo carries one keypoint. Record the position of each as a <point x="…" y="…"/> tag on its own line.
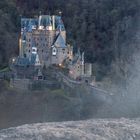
<point x="22" y="84"/>
<point x="27" y="84"/>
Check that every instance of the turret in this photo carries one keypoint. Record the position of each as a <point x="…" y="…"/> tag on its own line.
<point x="20" y="48"/>
<point x="40" y="27"/>
<point x="82" y="64"/>
<point x="53" y="22"/>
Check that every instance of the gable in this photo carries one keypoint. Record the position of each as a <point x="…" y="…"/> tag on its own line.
<point x="60" y="42"/>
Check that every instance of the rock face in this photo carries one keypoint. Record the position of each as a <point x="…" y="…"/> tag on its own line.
<point x="97" y="129"/>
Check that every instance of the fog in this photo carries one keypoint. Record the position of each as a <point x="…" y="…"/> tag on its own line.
<point x="126" y="99"/>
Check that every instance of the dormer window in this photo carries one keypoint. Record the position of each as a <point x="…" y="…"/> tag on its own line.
<point x="54" y="51"/>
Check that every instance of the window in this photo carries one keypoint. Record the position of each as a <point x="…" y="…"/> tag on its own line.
<point x="54" y="51"/>
<point x="34" y="50"/>
<point x="63" y="51"/>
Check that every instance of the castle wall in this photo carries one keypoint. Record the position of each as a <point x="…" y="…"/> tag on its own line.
<point x="28" y="45"/>
<point x="42" y="39"/>
<point x="88" y="69"/>
<point x="75" y="71"/>
<point x="60" y="56"/>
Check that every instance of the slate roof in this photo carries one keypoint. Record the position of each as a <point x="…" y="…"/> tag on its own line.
<point x="22" y="61"/>
<point x="45" y="20"/>
<point x="28" y="23"/>
<point x="25" y="61"/>
<point x="60" y="42"/>
<point x="59" y="23"/>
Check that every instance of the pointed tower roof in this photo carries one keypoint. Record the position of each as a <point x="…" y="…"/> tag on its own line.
<point x="37" y="61"/>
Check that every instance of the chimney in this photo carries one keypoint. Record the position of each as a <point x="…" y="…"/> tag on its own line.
<point x="53" y="20"/>
<point x="39" y="21"/>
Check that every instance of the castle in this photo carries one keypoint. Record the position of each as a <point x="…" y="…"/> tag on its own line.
<point x="43" y="43"/>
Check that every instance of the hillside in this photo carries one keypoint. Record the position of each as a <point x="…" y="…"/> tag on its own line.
<point x="9" y="29"/>
<point x="18" y="107"/>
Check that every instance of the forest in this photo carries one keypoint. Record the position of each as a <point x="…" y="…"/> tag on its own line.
<point x="104" y="29"/>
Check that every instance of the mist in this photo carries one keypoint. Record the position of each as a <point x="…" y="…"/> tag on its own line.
<point x="126" y="98"/>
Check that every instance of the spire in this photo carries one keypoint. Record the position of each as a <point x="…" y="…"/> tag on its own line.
<point x="79" y="53"/>
<point x="83" y="55"/>
<point x="53" y="22"/>
<point x="39" y="22"/>
<point x="37" y="61"/>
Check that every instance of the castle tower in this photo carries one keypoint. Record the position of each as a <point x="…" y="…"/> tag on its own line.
<point x="43" y="32"/>
<point x="20" y="48"/>
<point x="88" y="69"/>
<point x="82" y="64"/>
<point x="40" y="26"/>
